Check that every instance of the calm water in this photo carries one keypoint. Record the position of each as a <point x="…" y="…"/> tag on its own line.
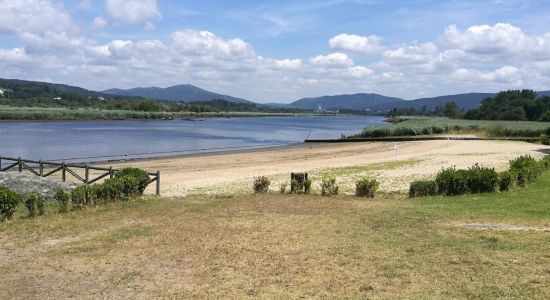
<point x="104" y="140"/>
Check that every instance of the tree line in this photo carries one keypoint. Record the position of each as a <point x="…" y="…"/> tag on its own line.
<point x="511" y="105"/>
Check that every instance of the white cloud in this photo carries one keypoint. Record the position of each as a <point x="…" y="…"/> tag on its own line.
<point x="134" y="12"/>
<point x="501" y="39"/>
<point x="412" y="54"/>
<point x="286" y="64"/>
<point x="333" y="60"/>
<point x="99" y="22"/>
<point x="355" y="43"/>
<point x="37" y="16"/>
<point x="206" y="43"/>
<point x="13" y="55"/>
<point x="360" y="71"/>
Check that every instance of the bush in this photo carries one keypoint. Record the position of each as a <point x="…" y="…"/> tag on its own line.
<point x="526" y="168"/>
<point x="63" y="198"/>
<point x="366" y="187"/>
<point x="307" y="186"/>
<point x="296" y="186"/>
<point x="140" y="179"/>
<point x="481" y="179"/>
<point x="8" y="203"/>
<point x="544" y="139"/>
<point x="423" y="188"/>
<point x="31" y="203"/>
<point x="329" y="187"/>
<point x="544" y="163"/>
<point x="507" y="180"/>
<point x="261" y="185"/>
<point x="282" y="188"/>
<point x="452" y="182"/>
<point x="40" y="203"/>
<point x="80" y="196"/>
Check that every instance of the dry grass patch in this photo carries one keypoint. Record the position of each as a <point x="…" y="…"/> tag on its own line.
<point x="282" y="246"/>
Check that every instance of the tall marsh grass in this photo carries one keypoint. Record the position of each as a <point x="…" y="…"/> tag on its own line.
<point x="415" y="126"/>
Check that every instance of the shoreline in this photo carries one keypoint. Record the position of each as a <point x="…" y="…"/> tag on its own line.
<point x="251" y="149"/>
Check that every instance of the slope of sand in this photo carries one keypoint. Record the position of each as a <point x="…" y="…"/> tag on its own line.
<point x="222" y="172"/>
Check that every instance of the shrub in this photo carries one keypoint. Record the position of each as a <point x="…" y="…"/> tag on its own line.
<point x="423" y="188"/>
<point x="481" y="179"/>
<point x="282" y="188"/>
<point x="307" y="186"/>
<point x="544" y="163"/>
<point x="507" y="180"/>
<point x="140" y="179"/>
<point x="366" y="187"/>
<point x="261" y="185"/>
<point x="63" y="198"/>
<point x="40" y="203"/>
<point x="526" y="168"/>
<point x="329" y="187"/>
<point x="544" y="139"/>
<point x="296" y="186"/>
<point x="79" y="197"/>
<point x="452" y="182"/>
<point x="8" y="203"/>
<point x="31" y="203"/>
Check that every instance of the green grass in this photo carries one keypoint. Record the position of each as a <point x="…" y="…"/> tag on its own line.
<point x="414" y="126"/>
<point x="285" y="246"/>
<point x="59" y="113"/>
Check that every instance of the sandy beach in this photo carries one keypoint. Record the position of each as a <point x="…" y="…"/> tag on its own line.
<point x="394" y="164"/>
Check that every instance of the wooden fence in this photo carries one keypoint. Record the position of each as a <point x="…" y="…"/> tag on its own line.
<point x="47" y="168"/>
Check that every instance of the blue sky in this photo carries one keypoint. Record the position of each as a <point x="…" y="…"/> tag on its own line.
<point x="278" y="51"/>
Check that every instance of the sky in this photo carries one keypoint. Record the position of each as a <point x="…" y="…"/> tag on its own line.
<point x="280" y="51"/>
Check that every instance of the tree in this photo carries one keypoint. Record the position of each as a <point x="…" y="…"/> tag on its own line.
<point x="450" y="110"/>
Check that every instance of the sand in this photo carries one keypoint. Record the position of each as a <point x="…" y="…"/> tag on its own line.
<point x="229" y="172"/>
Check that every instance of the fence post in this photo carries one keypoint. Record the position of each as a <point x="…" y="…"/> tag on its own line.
<point x="158" y="183"/>
<point x="86" y="174"/>
<point x="63" y="171"/>
<point x="0" y="164"/>
<point x="20" y="165"/>
<point x="110" y="172"/>
<point x="41" y="165"/>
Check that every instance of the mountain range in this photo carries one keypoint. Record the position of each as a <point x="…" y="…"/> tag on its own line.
<point x="360" y="101"/>
<point x="189" y="93"/>
<point x="184" y="93"/>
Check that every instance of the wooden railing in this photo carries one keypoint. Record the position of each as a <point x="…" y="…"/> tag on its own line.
<point x="48" y="168"/>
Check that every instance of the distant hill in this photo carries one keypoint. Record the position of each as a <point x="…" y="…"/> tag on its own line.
<point x="24" y="89"/>
<point x="353" y="101"/>
<point x="184" y="93"/>
<point x="380" y="103"/>
<point x="463" y="101"/>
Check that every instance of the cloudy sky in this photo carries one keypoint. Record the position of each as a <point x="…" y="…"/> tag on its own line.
<point x="278" y="51"/>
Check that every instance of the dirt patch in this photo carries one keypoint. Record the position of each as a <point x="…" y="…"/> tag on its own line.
<point x="479" y="226"/>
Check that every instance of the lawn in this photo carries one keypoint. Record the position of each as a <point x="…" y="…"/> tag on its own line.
<point x="413" y="126"/>
<point x="284" y="246"/>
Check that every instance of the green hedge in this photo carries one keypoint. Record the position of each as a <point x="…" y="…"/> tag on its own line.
<point x="329" y="187"/>
<point x="366" y="187"/>
<point x="526" y="168"/>
<point x="477" y="179"/>
<point x="423" y="188"/>
<point x="8" y="203"/>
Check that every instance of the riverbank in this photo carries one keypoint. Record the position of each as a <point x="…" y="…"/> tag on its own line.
<point x="394" y="164"/>
<point x="11" y="113"/>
